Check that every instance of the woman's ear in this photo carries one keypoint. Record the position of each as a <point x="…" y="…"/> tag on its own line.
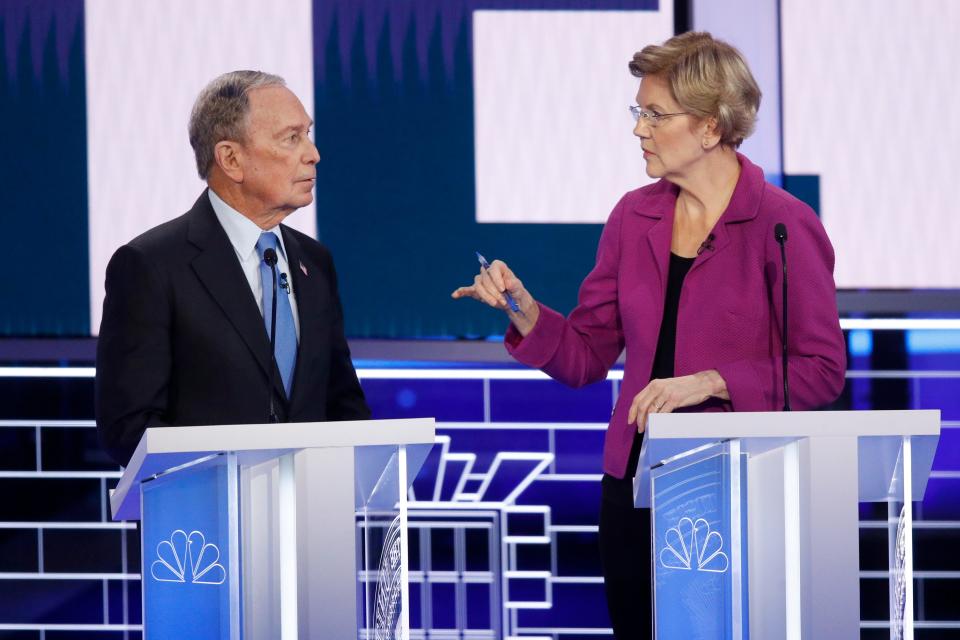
<point x="709" y="134"/>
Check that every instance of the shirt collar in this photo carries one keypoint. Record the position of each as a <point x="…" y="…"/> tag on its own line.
<point x="241" y="230"/>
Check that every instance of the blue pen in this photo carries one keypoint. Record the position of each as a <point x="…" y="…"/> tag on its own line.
<point x="506" y="294"/>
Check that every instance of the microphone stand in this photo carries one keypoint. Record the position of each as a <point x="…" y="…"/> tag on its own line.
<point x="780" y="233"/>
<point x="270" y="257"/>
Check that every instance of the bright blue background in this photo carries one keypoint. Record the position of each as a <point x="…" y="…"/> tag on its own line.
<point x="692" y="603"/>
<point x="189" y="500"/>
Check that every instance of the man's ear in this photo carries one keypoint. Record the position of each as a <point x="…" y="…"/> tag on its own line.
<point x="227" y="155"/>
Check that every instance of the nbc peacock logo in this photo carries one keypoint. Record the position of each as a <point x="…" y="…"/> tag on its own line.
<point x="188" y="558"/>
<point x="387" y="618"/>
<point x="692" y="546"/>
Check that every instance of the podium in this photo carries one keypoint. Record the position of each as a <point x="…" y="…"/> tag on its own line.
<point x="755" y="518"/>
<point x="270" y="531"/>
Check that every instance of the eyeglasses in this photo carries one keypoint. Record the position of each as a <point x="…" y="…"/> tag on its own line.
<point x="652" y="118"/>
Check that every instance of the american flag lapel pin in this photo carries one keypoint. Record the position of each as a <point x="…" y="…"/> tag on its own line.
<point x="303" y="268"/>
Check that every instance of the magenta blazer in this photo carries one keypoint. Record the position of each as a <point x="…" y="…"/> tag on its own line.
<point x="730" y="308"/>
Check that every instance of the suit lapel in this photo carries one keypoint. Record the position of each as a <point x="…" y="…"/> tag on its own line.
<point x="219" y="270"/>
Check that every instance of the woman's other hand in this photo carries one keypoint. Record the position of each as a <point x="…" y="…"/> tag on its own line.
<point x="490" y="286"/>
<point x="663" y="396"/>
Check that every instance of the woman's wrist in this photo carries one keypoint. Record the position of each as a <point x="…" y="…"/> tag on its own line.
<point x="714" y="383"/>
<point x="526" y="318"/>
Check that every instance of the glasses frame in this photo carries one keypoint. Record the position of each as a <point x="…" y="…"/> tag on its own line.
<point x="652" y="118"/>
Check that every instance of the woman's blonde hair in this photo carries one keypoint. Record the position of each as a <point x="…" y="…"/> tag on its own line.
<point x="707" y="77"/>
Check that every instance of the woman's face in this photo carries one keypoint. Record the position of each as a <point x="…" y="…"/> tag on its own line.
<point x="673" y="145"/>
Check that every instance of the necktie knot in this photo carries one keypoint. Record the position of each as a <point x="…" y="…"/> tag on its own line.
<point x="267" y="240"/>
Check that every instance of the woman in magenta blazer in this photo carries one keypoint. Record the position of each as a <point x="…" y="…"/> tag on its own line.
<point x="688" y="280"/>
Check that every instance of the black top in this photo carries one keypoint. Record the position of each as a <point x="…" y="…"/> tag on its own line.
<point x="667" y="342"/>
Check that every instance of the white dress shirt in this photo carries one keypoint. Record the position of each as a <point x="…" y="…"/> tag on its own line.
<point x="243" y="235"/>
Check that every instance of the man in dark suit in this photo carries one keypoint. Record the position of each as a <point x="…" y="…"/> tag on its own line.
<point x="185" y="336"/>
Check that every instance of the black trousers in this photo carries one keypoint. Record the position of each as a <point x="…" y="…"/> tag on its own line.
<point x="625" y="556"/>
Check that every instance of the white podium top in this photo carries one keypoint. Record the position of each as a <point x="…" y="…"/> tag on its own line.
<point x="878" y="435"/>
<point x="165" y="448"/>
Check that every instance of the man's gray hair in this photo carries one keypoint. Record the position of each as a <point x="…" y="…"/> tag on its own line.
<point x="220" y="112"/>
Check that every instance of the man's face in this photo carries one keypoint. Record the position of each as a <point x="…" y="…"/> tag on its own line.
<point x="278" y="157"/>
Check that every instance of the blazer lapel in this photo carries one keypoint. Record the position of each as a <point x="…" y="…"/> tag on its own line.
<point x="219" y="270"/>
<point x="660" y="235"/>
<point x="720" y="240"/>
<point x="743" y="207"/>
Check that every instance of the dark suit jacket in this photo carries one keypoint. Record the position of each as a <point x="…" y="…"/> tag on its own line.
<point x="182" y="340"/>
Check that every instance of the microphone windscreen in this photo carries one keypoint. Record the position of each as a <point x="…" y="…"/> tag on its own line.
<point x="780" y="232"/>
<point x="270" y="257"/>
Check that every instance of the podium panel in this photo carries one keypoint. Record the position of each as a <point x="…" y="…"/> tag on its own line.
<point x="286" y="532"/>
<point x="382" y="550"/>
<point x="900" y="544"/>
<point x="699" y="525"/>
<point x="755" y="522"/>
<point x="189" y="540"/>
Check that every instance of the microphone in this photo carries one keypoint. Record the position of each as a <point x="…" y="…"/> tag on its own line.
<point x="270" y="257"/>
<point x="780" y="235"/>
<point x="780" y="232"/>
<point x="706" y="244"/>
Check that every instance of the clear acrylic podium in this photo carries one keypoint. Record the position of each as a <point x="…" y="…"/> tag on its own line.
<point x="755" y="520"/>
<point x="274" y="531"/>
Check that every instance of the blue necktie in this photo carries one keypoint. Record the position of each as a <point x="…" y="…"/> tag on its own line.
<point x="286" y="340"/>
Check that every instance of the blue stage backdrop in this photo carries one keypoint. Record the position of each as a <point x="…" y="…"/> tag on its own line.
<point x="43" y="168"/>
<point x="396" y="196"/>
<point x="394" y="105"/>
<point x="446" y="127"/>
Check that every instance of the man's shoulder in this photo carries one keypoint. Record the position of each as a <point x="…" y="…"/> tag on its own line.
<point x="308" y="245"/>
<point x="163" y="240"/>
<point x="162" y="236"/>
